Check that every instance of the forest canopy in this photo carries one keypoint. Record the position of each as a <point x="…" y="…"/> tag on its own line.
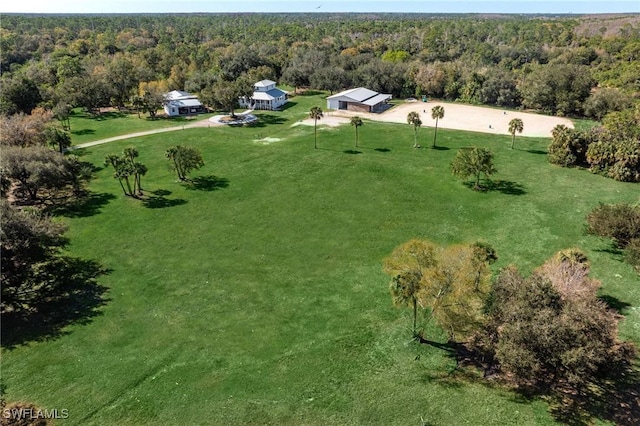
<point x="548" y="63"/>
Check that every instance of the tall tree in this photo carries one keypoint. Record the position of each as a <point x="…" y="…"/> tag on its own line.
<point x="226" y="94"/>
<point x="515" y="125"/>
<point x="114" y="161"/>
<point x="407" y="264"/>
<point x="452" y="282"/>
<point x="456" y="288"/>
<point x="473" y="162"/>
<point x="122" y="172"/>
<point x="184" y="160"/>
<point x="437" y="112"/>
<point x="152" y="96"/>
<point x="19" y="94"/>
<point x="137" y="169"/>
<point x="356" y="122"/>
<point x="58" y="138"/>
<point x="62" y="112"/>
<point x="413" y="118"/>
<point x="42" y="290"/>
<point x="137" y="102"/>
<point x="28" y="240"/>
<point x="37" y="171"/>
<point x="315" y="113"/>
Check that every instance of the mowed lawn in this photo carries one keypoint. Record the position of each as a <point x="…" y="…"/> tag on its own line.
<point x="86" y="127"/>
<point x="259" y="297"/>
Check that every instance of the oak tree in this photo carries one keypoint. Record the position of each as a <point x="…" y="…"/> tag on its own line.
<point x="473" y="162"/>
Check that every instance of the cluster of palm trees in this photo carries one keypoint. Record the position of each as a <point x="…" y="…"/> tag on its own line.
<point x="125" y="167"/>
<point x="315" y="113"/>
<point x="413" y="118"/>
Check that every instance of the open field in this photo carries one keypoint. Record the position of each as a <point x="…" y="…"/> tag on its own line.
<point x="257" y="295"/>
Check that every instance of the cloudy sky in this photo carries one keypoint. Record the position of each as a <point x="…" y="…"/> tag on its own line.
<point x="422" y="6"/>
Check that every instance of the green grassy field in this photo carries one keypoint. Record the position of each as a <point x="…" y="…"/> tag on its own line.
<point x="259" y="296"/>
<point x="86" y="127"/>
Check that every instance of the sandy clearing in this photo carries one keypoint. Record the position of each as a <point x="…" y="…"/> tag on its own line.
<point x="326" y="120"/>
<point x="456" y="116"/>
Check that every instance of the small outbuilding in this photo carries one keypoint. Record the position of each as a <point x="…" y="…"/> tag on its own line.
<point x="266" y="96"/>
<point x="178" y="103"/>
<point x="359" y="99"/>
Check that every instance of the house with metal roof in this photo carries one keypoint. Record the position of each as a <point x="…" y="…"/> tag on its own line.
<point x="266" y="96"/>
<point x="178" y="103"/>
<point x="359" y="99"/>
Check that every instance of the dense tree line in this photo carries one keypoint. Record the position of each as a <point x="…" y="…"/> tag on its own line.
<point x="525" y="61"/>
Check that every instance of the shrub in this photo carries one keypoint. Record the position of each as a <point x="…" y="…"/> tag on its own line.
<point x="632" y="253"/>
<point x="569" y="147"/>
<point x="616" y="153"/>
<point x="546" y="331"/>
<point x="620" y="222"/>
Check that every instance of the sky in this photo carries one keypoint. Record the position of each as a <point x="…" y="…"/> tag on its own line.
<point x="275" y="6"/>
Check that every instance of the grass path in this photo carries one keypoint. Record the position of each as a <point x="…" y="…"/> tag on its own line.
<point x="199" y="123"/>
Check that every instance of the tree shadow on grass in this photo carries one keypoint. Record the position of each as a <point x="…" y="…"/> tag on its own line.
<point x="468" y="364"/>
<point x="83" y="132"/>
<point x="206" y="183"/>
<point x="352" y="151"/>
<point x="615" y="303"/>
<point x="85" y="206"/>
<point x="536" y="151"/>
<point x="382" y="149"/>
<point x="614" y="398"/>
<point x="158" y="200"/>
<point x="288" y="105"/>
<point x="268" y="120"/>
<point x="503" y="186"/>
<point x="440" y="148"/>
<point x="70" y="295"/>
<point x="506" y="187"/>
<point x="613" y="250"/>
<point x="109" y="115"/>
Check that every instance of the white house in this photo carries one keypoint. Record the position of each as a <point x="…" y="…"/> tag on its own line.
<point x="358" y="99"/>
<point x="178" y="103"/>
<point x="265" y="96"/>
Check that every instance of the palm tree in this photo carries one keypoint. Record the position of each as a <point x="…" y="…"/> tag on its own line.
<point x="559" y="132"/>
<point x="413" y="118"/>
<point x="356" y="122"/>
<point x="140" y="170"/>
<point x="437" y="112"/>
<point x="515" y="125"/>
<point x="116" y="162"/>
<point x="404" y="289"/>
<point x="315" y="113"/>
